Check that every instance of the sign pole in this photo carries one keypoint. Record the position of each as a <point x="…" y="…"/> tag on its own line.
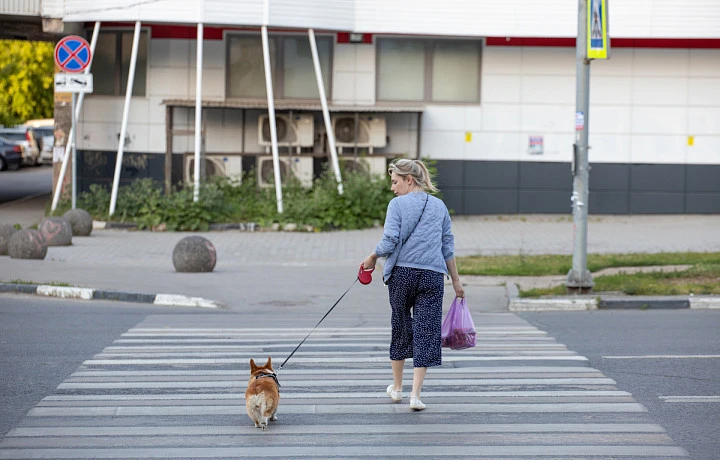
<point x="579" y="279"/>
<point x="73" y="133"/>
<point x="73" y="54"/>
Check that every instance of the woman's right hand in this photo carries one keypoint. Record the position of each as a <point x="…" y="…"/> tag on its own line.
<point x="369" y="262"/>
<point x="458" y="287"/>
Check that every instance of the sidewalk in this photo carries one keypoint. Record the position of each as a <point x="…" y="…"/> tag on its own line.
<point x="259" y="270"/>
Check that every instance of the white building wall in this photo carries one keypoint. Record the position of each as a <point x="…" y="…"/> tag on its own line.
<point x="21" y="7"/>
<point x="353" y="74"/>
<point x="645" y="103"/>
<point x="519" y="18"/>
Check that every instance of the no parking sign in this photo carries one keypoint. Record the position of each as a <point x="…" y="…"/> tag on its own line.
<point x="72" y="54"/>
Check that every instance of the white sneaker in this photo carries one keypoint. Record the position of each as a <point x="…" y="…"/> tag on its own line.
<point x="416" y="404"/>
<point x="396" y="396"/>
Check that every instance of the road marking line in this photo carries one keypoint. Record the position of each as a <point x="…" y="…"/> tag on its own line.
<point x="340" y="429"/>
<point x="240" y="395"/>
<point x="375" y="359"/>
<point x="403" y="451"/>
<point x="235" y="409"/>
<point x="690" y="399"/>
<point x="664" y="357"/>
<point x="335" y="383"/>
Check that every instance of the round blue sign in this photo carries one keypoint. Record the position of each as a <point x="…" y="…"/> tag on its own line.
<point x="72" y="54"/>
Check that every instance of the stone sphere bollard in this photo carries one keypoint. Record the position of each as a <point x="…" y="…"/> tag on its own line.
<point x="6" y="231"/>
<point x="56" y="231"/>
<point x="194" y="254"/>
<point x="27" y="244"/>
<point x="80" y="220"/>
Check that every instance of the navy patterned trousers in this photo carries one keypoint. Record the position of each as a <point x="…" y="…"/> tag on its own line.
<point x="416" y="298"/>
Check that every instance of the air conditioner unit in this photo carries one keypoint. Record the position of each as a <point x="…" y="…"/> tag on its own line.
<point x="376" y="166"/>
<point x="300" y="168"/>
<point x="295" y="131"/>
<point x="215" y="165"/>
<point x="371" y="131"/>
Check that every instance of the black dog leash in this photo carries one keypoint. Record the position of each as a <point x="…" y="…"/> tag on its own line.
<point x="321" y="320"/>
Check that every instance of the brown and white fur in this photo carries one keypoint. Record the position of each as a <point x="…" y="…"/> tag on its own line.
<point x="262" y="395"/>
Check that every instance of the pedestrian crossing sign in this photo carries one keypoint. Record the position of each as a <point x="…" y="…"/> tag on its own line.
<point x="598" y="39"/>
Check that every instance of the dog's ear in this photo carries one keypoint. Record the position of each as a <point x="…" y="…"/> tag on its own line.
<point x="253" y="367"/>
<point x="269" y="363"/>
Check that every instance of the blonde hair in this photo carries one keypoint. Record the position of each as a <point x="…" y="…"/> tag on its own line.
<point x="415" y="169"/>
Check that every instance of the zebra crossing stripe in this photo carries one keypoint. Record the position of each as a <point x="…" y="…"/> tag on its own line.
<point x="117" y="431"/>
<point x="321" y="451"/>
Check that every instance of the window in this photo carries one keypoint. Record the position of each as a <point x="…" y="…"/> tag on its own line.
<point x="291" y="65"/>
<point x="428" y="70"/>
<point x="111" y="63"/>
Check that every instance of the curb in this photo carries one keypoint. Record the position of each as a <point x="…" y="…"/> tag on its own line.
<point x="590" y="302"/>
<point x="65" y="292"/>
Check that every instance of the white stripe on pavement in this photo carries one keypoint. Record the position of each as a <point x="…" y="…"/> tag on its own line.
<point x="235" y="409"/>
<point x="664" y="357"/>
<point x="377" y="359"/>
<point x="335" y="383"/>
<point x="340" y="429"/>
<point x="690" y="399"/>
<point x="426" y="394"/>
<point x="348" y="451"/>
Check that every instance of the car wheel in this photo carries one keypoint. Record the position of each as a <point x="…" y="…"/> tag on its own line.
<point x="3" y="164"/>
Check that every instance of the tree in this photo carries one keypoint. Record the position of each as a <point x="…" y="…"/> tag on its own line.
<point x="26" y="81"/>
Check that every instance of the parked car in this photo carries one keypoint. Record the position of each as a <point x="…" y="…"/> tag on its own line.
<point x="44" y="135"/>
<point x="24" y="136"/>
<point x="10" y="154"/>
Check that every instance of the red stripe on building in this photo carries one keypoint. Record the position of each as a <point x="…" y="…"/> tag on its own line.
<point x="707" y="43"/>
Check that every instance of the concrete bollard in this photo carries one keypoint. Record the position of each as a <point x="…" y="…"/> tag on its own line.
<point x="56" y="231"/>
<point x="194" y="254"/>
<point x="80" y="220"/>
<point x="6" y="231"/>
<point x="27" y="244"/>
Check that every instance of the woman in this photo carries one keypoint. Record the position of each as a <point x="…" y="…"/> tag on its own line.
<point x="419" y="247"/>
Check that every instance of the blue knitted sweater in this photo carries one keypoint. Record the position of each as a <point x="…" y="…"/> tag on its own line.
<point x="429" y="246"/>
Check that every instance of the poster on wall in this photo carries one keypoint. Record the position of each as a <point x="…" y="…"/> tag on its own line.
<point x="535" y="145"/>
<point x="598" y="40"/>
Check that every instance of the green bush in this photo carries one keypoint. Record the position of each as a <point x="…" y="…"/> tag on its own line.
<point x="362" y="205"/>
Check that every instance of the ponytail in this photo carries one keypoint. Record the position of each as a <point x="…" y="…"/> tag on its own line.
<point x="417" y="170"/>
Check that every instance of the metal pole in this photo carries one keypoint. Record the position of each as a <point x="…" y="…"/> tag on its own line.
<point x="198" y="110"/>
<point x="579" y="279"/>
<point x="326" y="112"/>
<point x="126" y="112"/>
<point x="76" y="115"/>
<point x="73" y="130"/>
<point x="271" y="111"/>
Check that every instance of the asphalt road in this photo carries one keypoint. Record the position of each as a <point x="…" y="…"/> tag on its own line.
<point x="43" y="340"/>
<point x="48" y="342"/>
<point x="27" y="181"/>
<point x="687" y="366"/>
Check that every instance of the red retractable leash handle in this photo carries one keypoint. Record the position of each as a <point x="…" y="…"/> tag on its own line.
<point x="365" y="276"/>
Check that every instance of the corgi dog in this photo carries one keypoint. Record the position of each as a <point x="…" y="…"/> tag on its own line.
<point x="263" y="394"/>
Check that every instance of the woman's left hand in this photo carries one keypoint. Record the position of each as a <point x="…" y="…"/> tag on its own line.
<point x="459" y="290"/>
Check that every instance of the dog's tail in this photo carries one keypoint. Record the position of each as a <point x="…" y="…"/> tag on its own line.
<point x="258" y="403"/>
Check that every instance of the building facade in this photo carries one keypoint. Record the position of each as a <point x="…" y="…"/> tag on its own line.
<point x="486" y="89"/>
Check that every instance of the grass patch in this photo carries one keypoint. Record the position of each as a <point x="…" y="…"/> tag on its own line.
<point x="703" y="278"/>
<point x="53" y="283"/>
<point x="544" y="265"/>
